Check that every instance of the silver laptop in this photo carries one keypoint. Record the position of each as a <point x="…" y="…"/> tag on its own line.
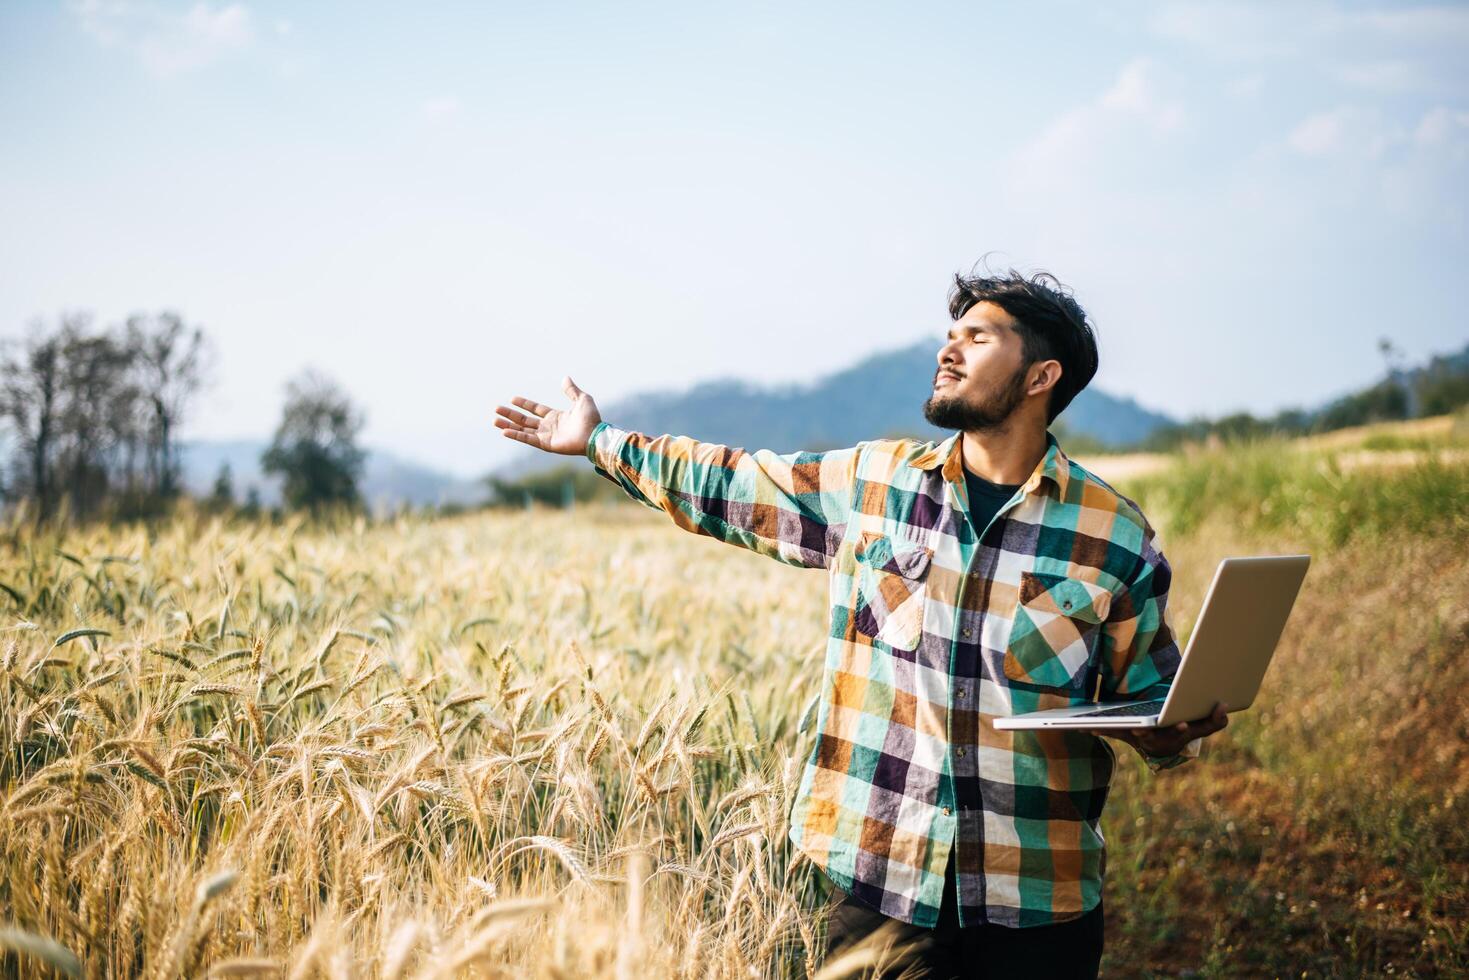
<point x="1233" y="640"/>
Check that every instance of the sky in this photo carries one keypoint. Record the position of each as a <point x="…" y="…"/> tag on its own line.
<point x="442" y="207"/>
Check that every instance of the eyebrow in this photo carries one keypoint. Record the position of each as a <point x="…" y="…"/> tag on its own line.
<point x="981" y="328"/>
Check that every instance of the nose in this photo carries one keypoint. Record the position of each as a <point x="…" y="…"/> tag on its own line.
<point x="948" y="353"/>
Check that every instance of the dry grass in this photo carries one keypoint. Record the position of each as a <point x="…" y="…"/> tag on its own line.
<point x="403" y="749"/>
<point x="1324" y="833"/>
<point x="445" y="748"/>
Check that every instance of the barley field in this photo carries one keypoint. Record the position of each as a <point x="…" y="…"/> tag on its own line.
<point x="564" y="744"/>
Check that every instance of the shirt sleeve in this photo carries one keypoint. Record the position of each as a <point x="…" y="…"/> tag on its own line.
<point x="792" y="507"/>
<point x="1139" y="650"/>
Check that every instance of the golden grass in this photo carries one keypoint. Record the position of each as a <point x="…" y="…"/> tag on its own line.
<point x="405" y="749"/>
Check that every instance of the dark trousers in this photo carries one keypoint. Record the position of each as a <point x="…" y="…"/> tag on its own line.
<point x="1056" y="952"/>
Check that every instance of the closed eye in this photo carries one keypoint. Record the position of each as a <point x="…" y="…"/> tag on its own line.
<point x="975" y="333"/>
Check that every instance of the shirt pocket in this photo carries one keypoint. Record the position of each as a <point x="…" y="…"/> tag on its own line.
<point x="1055" y="628"/>
<point x="892" y="578"/>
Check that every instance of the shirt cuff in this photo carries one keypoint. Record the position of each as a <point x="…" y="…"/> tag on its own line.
<point x="1190" y="751"/>
<point x="603" y="444"/>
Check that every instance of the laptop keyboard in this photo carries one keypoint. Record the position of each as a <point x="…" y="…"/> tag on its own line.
<point x="1134" y="708"/>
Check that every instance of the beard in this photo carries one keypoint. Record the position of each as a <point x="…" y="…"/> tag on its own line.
<point x="991" y="411"/>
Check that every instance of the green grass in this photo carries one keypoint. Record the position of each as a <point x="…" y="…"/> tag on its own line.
<point x="1269" y="486"/>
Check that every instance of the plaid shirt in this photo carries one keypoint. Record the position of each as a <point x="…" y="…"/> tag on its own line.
<point x="938" y="627"/>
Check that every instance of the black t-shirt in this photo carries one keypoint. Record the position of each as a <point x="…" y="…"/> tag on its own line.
<point x="986" y="498"/>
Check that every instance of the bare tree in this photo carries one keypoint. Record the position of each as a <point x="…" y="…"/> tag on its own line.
<point x="30" y="402"/>
<point x="96" y="414"/>
<point x="170" y="364"/>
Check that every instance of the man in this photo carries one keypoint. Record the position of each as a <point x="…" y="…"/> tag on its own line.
<point x="983" y="576"/>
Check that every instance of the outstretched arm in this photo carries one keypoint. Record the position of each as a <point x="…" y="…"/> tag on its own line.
<point x="791" y="507"/>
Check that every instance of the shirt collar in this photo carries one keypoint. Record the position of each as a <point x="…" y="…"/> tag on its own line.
<point x="949" y="454"/>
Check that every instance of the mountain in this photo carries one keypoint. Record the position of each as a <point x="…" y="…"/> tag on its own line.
<point x="880" y="396"/>
<point x="388" y="481"/>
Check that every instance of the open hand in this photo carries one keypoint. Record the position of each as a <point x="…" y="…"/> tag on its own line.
<point x="553" y="430"/>
<point x="1163" y="742"/>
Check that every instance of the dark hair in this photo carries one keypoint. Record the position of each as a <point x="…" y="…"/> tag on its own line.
<point x="1051" y="324"/>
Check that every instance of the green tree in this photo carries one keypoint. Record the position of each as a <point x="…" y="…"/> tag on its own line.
<point x="251" y="507"/>
<point x="222" y="497"/>
<point x="315" y="447"/>
<point x="560" y="486"/>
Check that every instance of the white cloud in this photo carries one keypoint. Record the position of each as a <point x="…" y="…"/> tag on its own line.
<point x="439" y="109"/>
<point x="1439" y="125"/>
<point x="1423" y="24"/>
<point x="1245" y="30"/>
<point x="1344" y="45"/>
<point x="1321" y="134"/>
<point x="1246" y="86"/>
<point x="1381" y="76"/>
<point x="1265" y="27"/>
<point x="1347" y="130"/>
<point x="166" y="42"/>
<point x="1410" y="171"/>
<point x="1137" y="92"/>
<point x="1137" y="103"/>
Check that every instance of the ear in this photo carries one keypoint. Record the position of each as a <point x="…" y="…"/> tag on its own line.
<point x="1043" y="377"/>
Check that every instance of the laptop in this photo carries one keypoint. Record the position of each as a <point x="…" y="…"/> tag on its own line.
<point x="1243" y="615"/>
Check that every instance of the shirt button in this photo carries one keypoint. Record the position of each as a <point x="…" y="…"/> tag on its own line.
<point x="967" y="632"/>
<point x="961" y="692"/>
<point x="960" y="752"/>
<point x="948" y="811"/>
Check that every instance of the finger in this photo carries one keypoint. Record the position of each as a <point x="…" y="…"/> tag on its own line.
<point x="1206" y="726"/>
<point x="517" y="417"/>
<point x="534" y="407"/>
<point x="1164" y="748"/>
<point x="1171" y="735"/>
<point x="1218" y="718"/>
<point x="528" y="438"/>
<point x="569" y="387"/>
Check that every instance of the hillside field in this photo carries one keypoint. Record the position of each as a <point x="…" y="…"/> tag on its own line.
<point x="564" y="744"/>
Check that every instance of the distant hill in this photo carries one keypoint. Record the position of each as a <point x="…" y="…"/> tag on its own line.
<point x="387" y="481"/>
<point x="880" y="396"/>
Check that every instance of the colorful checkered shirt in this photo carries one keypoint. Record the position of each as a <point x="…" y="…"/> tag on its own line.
<point x="937" y="628"/>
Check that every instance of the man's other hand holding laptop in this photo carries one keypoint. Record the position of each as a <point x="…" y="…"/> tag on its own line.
<point x="1167" y="740"/>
